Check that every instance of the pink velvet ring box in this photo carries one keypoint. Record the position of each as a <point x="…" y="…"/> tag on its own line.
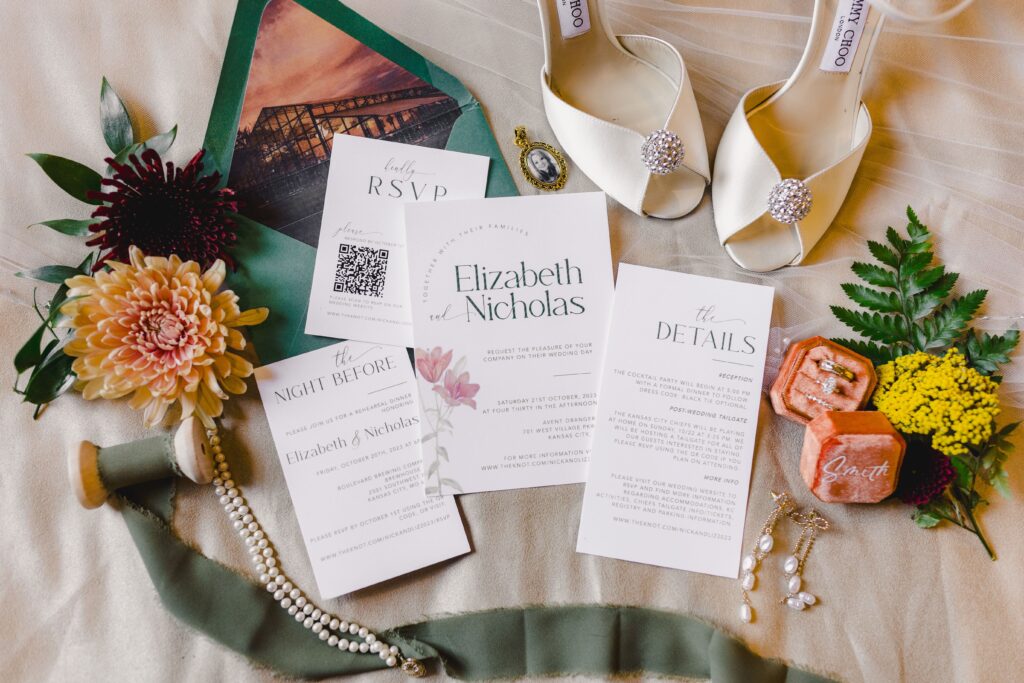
<point x="804" y="390"/>
<point x="851" y="457"/>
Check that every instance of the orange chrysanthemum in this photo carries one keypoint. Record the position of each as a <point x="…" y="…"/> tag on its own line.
<point x="157" y="328"/>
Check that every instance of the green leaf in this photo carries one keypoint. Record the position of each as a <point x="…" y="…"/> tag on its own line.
<point x="54" y="316"/>
<point x="924" y="279"/>
<point x="1001" y="483"/>
<point x="925" y="520"/>
<point x="85" y="267"/>
<point x="943" y="287"/>
<point x="949" y="321"/>
<point x="876" y="353"/>
<point x="922" y="301"/>
<point x="54" y="274"/>
<point x="911" y="266"/>
<point x="987" y="352"/>
<point x="1003" y="435"/>
<point x="442" y="452"/>
<point x="53" y="376"/>
<point x="915" y="227"/>
<point x="874" y="275"/>
<point x="432" y="469"/>
<point x="69" y="226"/>
<point x="30" y="353"/>
<point x="122" y="156"/>
<point x="899" y="244"/>
<point x="161" y="143"/>
<point x="884" y="254"/>
<point x="886" y="302"/>
<point x="72" y="177"/>
<point x="889" y="329"/>
<point x="964" y="472"/>
<point x="117" y="124"/>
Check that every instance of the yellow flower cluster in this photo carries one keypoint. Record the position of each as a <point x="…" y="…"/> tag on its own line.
<point x="938" y="396"/>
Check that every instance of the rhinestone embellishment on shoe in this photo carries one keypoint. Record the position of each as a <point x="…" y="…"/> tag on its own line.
<point x="789" y="201"/>
<point x="662" y="152"/>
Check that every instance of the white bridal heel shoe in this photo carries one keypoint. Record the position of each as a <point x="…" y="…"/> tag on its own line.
<point x="623" y="109"/>
<point x="789" y="153"/>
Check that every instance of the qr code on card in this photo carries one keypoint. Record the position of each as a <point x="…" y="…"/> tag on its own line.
<point x="360" y="270"/>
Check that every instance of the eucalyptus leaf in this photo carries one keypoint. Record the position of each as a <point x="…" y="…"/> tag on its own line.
<point x="72" y="177"/>
<point x="54" y="274"/>
<point x="117" y="124"/>
<point x="70" y="226"/>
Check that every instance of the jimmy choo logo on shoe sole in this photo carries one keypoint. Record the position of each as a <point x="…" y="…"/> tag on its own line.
<point x="573" y="17"/>
<point x="851" y="16"/>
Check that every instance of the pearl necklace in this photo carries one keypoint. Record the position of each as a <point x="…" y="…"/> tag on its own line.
<point x="344" y="634"/>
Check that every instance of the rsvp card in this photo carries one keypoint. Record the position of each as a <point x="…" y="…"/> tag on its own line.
<point x="680" y="391"/>
<point x="360" y="280"/>
<point x="345" y="422"/>
<point x="510" y="301"/>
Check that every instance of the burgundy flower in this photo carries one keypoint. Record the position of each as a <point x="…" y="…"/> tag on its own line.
<point x="457" y="390"/>
<point x="163" y="210"/>
<point x="432" y="364"/>
<point x="924" y="476"/>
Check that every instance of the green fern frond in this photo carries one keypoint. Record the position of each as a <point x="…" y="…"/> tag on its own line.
<point x="908" y="304"/>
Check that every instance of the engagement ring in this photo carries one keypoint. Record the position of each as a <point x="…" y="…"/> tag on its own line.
<point x="828" y="385"/>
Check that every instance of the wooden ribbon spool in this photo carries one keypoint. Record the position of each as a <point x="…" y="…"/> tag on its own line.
<point x="96" y="472"/>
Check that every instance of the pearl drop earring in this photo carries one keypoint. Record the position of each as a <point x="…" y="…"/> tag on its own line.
<point x="810" y="523"/>
<point x="765" y="542"/>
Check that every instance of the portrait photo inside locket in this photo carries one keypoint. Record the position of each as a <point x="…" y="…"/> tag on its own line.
<point x="542" y="165"/>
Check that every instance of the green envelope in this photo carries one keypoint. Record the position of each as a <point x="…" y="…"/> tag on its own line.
<point x="274" y="268"/>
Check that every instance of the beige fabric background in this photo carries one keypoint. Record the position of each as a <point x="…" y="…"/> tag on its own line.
<point x="898" y="604"/>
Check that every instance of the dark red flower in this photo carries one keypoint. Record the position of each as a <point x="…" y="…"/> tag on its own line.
<point x="924" y="475"/>
<point x="163" y="210"/>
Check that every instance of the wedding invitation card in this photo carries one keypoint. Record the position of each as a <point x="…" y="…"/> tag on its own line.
<point x="360" y="279"/>
<point x="677" y="419"/>
<point x="345" y="422"/>
<point x="510" y="303"/>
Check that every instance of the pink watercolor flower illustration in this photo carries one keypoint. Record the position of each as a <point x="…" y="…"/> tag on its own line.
<point x="457" y="390"/>
<point x="431" y="364"/>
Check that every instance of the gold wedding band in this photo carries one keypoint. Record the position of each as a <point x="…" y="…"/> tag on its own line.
<point x="837" y="369"/>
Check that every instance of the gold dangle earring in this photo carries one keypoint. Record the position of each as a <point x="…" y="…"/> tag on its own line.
<point x="764" y="544"/>
<point x="810" y="523"/>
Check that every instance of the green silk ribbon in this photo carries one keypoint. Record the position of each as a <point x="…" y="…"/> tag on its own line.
<point x="510" y="643"/>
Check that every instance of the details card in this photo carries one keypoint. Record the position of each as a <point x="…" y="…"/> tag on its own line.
<point x="676" y="424"/>
<point x="345" y="422"/>
<point x="510" y="301"/>
<point x="360" y="280"/>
